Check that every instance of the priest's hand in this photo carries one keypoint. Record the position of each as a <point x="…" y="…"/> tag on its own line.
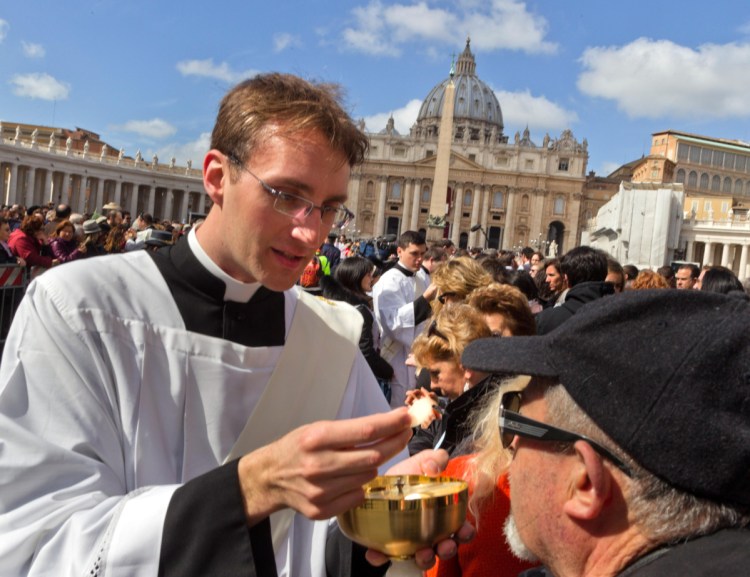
<point x="428" y="462"/>
<point x="319" y="469"/>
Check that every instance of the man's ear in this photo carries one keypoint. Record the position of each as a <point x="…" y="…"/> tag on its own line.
<point x="215" y="175"/>
<point x="590" y="484"/>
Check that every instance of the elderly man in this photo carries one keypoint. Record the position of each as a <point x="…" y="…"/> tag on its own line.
<point x="167" y="417"/>
<point x="631" y="457"/>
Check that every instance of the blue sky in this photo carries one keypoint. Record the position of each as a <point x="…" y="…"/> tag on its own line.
<point x="149" y="75"/>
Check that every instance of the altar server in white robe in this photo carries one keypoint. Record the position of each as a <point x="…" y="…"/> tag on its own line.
<point x="159" y="412"/>
<point x="402" y="305"/>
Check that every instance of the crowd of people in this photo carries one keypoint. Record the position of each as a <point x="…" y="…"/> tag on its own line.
<point x="193" y="410"/>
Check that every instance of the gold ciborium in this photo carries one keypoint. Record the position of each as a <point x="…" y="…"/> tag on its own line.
<point x="402" y="514"/>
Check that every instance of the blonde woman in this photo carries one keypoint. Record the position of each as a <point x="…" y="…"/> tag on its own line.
<point x="455" y="279"/>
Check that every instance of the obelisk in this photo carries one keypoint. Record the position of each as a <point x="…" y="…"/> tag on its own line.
<point x="438" y="205"/>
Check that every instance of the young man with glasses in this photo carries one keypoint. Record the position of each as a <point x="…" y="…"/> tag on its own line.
<point x="156" y="417"/>
<point x="626" y="461"/>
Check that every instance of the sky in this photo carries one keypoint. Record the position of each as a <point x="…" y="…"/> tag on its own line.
<point x="149" y="75"/>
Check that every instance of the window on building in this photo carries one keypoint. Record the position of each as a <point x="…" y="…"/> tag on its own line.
<point x="428" y="153"/>
<point x="682" y="151"/>
<point x="467" y="198"/>
<point x="497" y="199"/>
<point x="725" y="206"/>
<point x="704" y="181"/>
<point x="729" y="160"/>
<point x="529" y="164"/>
<point x="680" y="176"/>
<point x="501" y="160"/>
<point x="727" y="187"/>
<point x="373" y="151"/>
<point x="396" y="191"/>
<point x="525" y="203"/>
<point x="706" y="156"/>
<point x="694" y="205"/>
<point x="559" y="205"/>
<point x="716" y="183"/>
<point x="399" y="151"/>
<point x="707" y="206"/>
<point x="738" y="186"/>
<point x="370" y="192"/>
<point x="692" y="179"/>
<point x="473" y="157"/>
<point x="425" y="194"/>
<point x="695" y="154"/>
<point x="740" y="163"/>
<point x="718" y="159"/>
<point x="563" y="164"/>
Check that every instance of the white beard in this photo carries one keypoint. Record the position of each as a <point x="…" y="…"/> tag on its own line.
<point x="516" y="545"/>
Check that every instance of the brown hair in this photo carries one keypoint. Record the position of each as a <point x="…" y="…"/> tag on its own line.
<point x="445" y="339"/>
<point x="32" y="224"/>
<point x="507" y="301"/>
<point x="60" y="227"/>
<point x="648" y="279"/>
<point x="247" y="110"/>
<point x="458" y="276"/>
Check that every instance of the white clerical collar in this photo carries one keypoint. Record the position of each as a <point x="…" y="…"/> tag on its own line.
<point x="236" y="291"/>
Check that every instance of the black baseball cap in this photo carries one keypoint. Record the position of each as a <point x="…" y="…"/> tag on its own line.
<point x="665" y="373"/>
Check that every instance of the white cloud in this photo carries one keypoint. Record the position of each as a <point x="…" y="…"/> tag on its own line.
<point x="656" y="78"/>
<point x="194" y="151"/>
<point x="39" y="85"/>
<point x="32" y="50"/>
<point x="208" y="69"/>
<point x="499" y="24"/>
<point x="154" y="128"/>
<point x="4" y="27"/>
<point x="403" y="118"/>
<point x="285" y="40"/>
<point x="521" y="109"/>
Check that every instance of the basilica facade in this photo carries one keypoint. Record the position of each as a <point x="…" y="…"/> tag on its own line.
<point x="502" y="192"/>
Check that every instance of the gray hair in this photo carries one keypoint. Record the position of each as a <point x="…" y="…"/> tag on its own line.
<point x="664" y="513"/>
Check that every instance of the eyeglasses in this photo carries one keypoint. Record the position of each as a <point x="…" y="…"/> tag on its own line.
<point x="432" y="330"/>
<point x="337" y="216"/>
<point x="445" y="296"/>
<point x="512" y="423"/>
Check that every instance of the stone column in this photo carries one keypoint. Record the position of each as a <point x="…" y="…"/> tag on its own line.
<point x="475" y="202"/>
<point x="151" y="201"/>
<point x="13" y="186"/>
<point x="133" y="209"/>
<point x="118" y="193"/>
<point x="689" y="251"/>
<point x="99" y="194"/>
<point x="742" y="274"/>
<point x="509" y="231"/>
<point x="416" y="200"/>
<point x="31" y="185"/>
<point x="725" y="255"/>
<point x="380" y="214"/>
<point x="486" y="210"/>
<point x="408" y="191"/>
<point x="47" y="192"/>
<point x="458" y="206"/>
<point x="169" y="205"/>
<point x="708" y="257"/>
<point x="202" y="203"/>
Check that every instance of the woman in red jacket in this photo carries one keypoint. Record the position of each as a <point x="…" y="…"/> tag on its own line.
<point x="30" y="243"/>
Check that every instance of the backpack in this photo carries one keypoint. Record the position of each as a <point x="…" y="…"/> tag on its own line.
<point x="313" y="272"/>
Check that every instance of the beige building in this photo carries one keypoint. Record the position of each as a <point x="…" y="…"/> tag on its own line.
<point x="715" y="174"/>
<point x="502" y="192"/>
<point x="41" y="165"/>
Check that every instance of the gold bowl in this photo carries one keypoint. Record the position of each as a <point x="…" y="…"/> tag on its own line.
<point x="404" y="513"/>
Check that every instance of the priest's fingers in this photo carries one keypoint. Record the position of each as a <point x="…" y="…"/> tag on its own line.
<point x="428" y="462"/>
<point x="349" y="433"/>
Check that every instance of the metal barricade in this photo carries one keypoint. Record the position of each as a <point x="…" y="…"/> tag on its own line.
<point x="13" y="282"/>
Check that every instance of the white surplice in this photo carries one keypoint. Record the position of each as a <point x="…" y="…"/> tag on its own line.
<point x="108" y="405"/>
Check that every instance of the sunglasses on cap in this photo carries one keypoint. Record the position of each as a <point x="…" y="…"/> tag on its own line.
<point x="512" y="423"/>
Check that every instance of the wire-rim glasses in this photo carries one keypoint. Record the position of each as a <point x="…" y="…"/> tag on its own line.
<point x="289" y="204"/>
<point x="512" y="423"/>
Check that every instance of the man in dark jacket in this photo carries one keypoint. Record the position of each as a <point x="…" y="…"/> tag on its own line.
<point x="330" y="251"/>
<point x="630" y="457"/>
<point x="585" y="269"/>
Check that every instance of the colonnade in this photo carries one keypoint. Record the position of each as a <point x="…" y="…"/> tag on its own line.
<point x="38" y="175"/>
